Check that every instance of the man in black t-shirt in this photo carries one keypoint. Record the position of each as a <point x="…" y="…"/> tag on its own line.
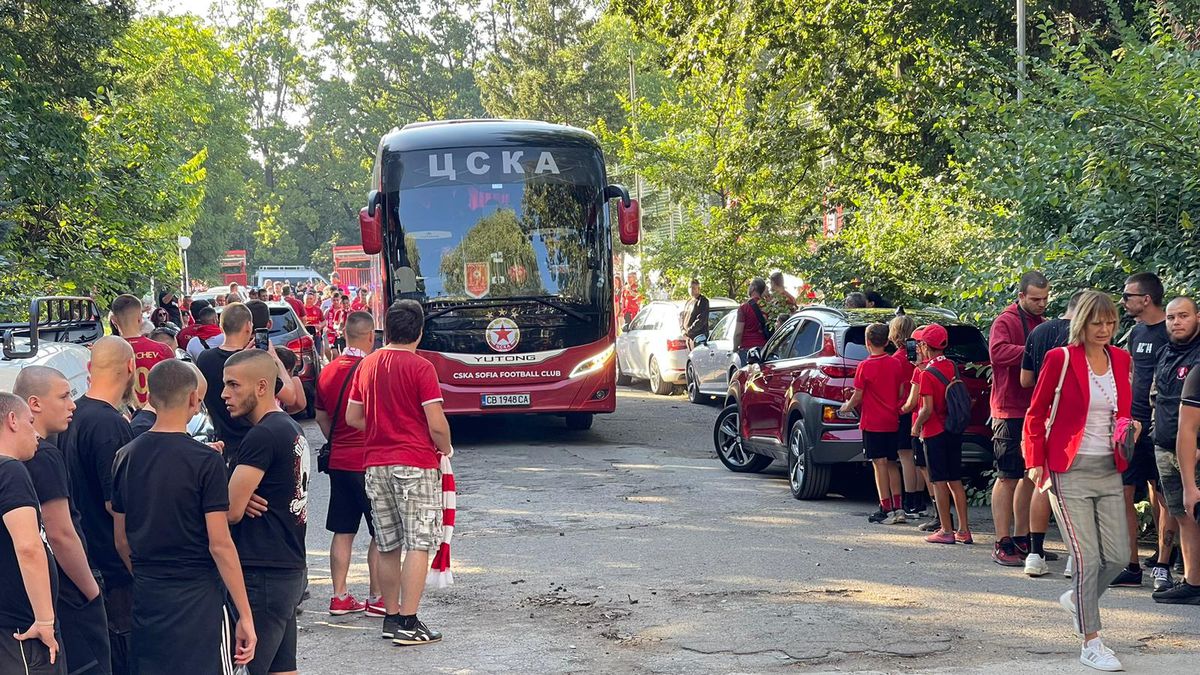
<point x="1142" y="298"/>
<point x="237" y="326"/>
<point x="89" y="445"/>
<point x="28" y="574"/>
<point x="175" y="538"/>
<point x="81" y="613"/>
<point x="272" y="461"/>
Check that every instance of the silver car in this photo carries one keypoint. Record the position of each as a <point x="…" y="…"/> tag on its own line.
<point x="654" y="348"/>
<point x="713" y="361"/>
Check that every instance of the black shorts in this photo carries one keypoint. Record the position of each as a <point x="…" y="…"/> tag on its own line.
<point x="918" y="448"/>
<point x="84" y="627"/>
<point x="274" y="594"/>
<point x="178" y="619"/>
<point x="1143" y="468"/>
<point x="30" y="656"/>
<point x="904" y="435"/>
<point x="944" y="455"/>
<point x="348" y="503"/>
<point x="880" y="445"/>
<point x="1006" y="446"/>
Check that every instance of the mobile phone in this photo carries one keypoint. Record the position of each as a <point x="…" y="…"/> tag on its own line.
<point x="262" y="339"/>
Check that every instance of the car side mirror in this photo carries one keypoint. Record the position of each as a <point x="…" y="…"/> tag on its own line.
<point x="701" y="340"/>
<point x="754" y="355"/>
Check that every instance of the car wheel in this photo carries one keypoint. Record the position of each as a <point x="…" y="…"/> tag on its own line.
<point x="579" y="421"/>
<point x="622" y="378"/>
<point x="806" y="478"/>
<point x="730" y="449"/>
<point x="693" y="387"/>
<point x="657" y="385"/>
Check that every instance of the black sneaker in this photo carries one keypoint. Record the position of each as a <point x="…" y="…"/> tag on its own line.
<point x="1049" y="556"/>
<point x="877" y="517"/>
<point x="913" y="512"/>
<point x="1127" y="579"/>
<point x="931" y="526"/>
<point x="419" y="634"/>
<point x="391" y="626"/>
<point x="1162" y="578"/>
<point x="1181" y="593"/>
<point x="1150" y="561"/>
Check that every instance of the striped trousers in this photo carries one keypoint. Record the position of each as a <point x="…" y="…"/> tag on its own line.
<point x="1089" y="505"/>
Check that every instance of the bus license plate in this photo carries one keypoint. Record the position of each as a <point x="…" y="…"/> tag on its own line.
<point x="505" y="400"/>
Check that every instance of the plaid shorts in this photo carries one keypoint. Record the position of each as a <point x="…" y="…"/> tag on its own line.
<point x="406" y="505"/>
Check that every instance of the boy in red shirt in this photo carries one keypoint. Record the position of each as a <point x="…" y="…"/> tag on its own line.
<point x="943" y="450"/>
<point x="396" y="399"/>
<point x="878" y="388"/>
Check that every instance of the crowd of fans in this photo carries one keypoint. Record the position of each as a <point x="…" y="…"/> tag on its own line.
<point x="164" y="552"/>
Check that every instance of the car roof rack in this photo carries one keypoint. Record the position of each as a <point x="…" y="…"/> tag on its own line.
<point x="58" y="314"/>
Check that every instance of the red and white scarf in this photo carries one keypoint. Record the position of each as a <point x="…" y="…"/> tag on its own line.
<point x="439" y="572"/>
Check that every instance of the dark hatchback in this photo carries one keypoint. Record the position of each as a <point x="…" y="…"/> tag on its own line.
<point x="784" y="405"/>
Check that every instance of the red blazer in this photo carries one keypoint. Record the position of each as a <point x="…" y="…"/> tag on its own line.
<point x="1058" y="451"/>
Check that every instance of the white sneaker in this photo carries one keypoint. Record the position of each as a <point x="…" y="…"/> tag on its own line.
<point x="1067" y="600"/>
<point x="1095" y="655"/>
<point x="1035" y="565"/>
<point x="1070" y="567"/>
<point x="895" y="517"/>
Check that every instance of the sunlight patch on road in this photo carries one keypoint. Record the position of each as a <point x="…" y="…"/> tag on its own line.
<point x="648" y="499"/>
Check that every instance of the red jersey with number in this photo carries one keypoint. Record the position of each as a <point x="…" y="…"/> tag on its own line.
<point x="312" y="315"/>
<point x="146" y="353"/>
<point x="394" y="386"/>
<point x="880" y="379"/>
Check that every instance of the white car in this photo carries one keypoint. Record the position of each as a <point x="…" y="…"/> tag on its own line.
<point x="654" y="348"/>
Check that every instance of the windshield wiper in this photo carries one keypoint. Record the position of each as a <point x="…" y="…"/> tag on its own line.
<point x="500" y="302"/>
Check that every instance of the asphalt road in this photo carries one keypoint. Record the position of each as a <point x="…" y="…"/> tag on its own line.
<point x="630" y="548"/>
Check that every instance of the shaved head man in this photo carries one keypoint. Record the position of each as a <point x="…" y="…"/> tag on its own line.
<point x="90" y="443"/>
<point x="81" y="613"/>
<point x="349" y="505"/>
<point x="127" y="317"/>
<point x="272" y="461"/>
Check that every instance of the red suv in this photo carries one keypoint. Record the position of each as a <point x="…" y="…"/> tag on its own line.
<point x="784" y="404"/>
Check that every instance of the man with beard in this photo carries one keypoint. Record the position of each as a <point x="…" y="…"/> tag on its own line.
<point x="90" y="444"/>
<point x="1179" y="358"/>
<point x="1013" y="494"/>
<point x="81" y="614"/>
<point x="1142" y="298"/>
<point x="272" y="461"/>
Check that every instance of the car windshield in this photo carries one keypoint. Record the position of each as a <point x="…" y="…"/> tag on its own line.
<point x="966" y="345"/>
<point x="494" y="223"/>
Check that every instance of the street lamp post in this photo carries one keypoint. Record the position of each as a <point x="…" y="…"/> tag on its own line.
<point x="184" y="242"/>
<point x="1020" y="48"/>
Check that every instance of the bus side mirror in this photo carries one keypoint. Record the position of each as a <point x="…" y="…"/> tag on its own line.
<point x="369" y="226"/>
<point x="629" y="221"/>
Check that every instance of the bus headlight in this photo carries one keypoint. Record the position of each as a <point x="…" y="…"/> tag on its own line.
<point x="591" y="365"/>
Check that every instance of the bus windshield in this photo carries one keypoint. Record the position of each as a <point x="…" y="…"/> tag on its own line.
<point x="496" y="223"/>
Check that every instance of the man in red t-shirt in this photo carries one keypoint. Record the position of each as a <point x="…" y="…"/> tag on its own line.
<point x="290" y="299"/>
<point x="397" y="400"/>
<point x="127" y="317"/>
<point x="312" y="316"/>
<point x="878" y="388"/>
<point x="361" y="301"/>
<point x="751" y="329"/>
<point x="943" y="450"/>
<point x="348" y="501"/>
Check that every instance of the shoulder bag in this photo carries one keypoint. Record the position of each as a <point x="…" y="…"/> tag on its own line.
<point x="327" y="449"/>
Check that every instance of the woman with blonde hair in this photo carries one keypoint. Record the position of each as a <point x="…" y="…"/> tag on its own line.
<point x="900" y="330"/>
<point x="1073" y="433"/>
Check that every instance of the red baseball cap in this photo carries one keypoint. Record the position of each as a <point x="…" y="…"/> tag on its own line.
<point x="933" y="335"/>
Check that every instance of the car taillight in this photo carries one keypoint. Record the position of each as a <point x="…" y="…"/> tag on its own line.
<point x="838" y="371"/>
<point x="677" y="345"/>
<point x="303" y="347"/>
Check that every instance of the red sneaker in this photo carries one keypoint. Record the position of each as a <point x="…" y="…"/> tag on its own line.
<point x="345" y="605"/>
<point x="964" y="537"/>
<point x="1006" y="554"/>
<point x="941" y="537"/>
<point x="375" y="608"/>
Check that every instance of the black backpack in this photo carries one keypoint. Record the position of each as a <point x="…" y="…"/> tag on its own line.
<point x="958" y="400"/>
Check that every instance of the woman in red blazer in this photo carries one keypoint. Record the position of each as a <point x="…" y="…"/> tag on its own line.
<point x="1077" y="457"/>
